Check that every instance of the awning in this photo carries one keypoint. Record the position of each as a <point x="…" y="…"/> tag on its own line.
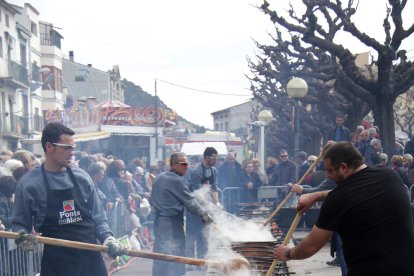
<point x="197" y="148"/>
<point x="80" y="137"/>
<point x="88" y="136"/>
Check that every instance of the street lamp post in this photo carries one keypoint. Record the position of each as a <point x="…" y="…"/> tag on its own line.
<point x="296" y="88"/>
<point x="265" y="117"/>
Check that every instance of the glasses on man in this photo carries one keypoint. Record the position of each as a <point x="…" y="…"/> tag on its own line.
<point x="283" y="156"/>
<point x="311" y="161"/>
<point x="213" y="157"/>
<point x="185" y="164"/>
<point x="66" y="147"/>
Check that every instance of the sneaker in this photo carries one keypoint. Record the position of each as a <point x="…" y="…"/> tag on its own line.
<point x="334" y="262"/>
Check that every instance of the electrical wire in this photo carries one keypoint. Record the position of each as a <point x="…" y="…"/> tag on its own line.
<point x="202" y="91"/>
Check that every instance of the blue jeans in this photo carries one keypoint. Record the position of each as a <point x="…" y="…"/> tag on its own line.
<point x="340" y="254"/>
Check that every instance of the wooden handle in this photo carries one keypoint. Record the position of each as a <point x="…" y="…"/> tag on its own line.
<point x="101" y="248"/>
<point x="275" y="212"/>
<point x="286" y="240"/>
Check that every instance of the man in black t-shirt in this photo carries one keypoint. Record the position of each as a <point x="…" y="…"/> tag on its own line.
<point x="369" y="209"/>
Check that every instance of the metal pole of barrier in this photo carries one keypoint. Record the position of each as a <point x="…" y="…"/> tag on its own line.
<point x="3" y="256"/>
<point x="231" y="198"/>
<point x="220" y="195"/>
<point x="122" y="223"/>
<point x="411" y="194"/>
<point x="113" y="216"/>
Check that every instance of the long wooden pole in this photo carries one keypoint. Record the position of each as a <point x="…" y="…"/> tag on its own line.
<point x="286" y="240"/>
<point x="275" y="212"/>
<point x="135" y="253"/>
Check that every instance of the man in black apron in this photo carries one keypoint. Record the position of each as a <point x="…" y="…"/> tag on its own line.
<point x="204" y="175"/>
<point x="61" y="202"/>
<point x="169" y="196"/>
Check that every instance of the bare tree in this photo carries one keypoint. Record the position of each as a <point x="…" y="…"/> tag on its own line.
<point x="275" y="66"/>
<point x="404" y="113"/>
<point x="316" y="30"/>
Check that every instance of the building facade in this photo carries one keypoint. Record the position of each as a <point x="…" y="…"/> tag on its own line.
<point x="30" y="74"/>
<point x="236" y="119"/>
<point x="85" y="81"/>
<point x="13" y="78"/>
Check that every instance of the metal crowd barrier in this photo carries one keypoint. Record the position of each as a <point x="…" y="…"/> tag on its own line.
<point x="232" y="196"/>
<point x="16" y="262"/>
<point x="118" y="219"/>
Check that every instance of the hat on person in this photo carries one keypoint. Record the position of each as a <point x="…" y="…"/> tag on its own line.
<point x="12" y="164"/>
<point x="140" y="171"/>
<point x="374" y="142"/>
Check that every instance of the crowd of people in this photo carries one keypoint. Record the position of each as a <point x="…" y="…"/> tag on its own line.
<point x="114" y="181"/>
<point x="98" y="182"/>
<point x="282" y="170"/>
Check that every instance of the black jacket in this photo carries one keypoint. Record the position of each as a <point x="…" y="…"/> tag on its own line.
<point x="228" y="176"/>
<point x="287" y="173"/>
<point x="345" y="134"/>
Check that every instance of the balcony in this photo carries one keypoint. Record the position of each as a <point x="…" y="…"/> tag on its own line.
<point x="19" y="73"/>
<point x="52" y="39"/>
<point x="15" y="74"/>
<point x="14" y="126"/>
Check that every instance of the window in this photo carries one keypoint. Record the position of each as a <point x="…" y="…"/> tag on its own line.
<point x="226" y="126"/>
<point x="33" y="28"/>
<point x="0" y="15"/>
<point x="1" y="47"/>
<point x="216" y="127"/>
<point x="7" y="20"/>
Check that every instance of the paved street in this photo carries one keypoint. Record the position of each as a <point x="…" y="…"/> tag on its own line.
<point x="315" y="265"/>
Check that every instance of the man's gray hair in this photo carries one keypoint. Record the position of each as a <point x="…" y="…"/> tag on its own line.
<point x="374" y="142"/>
<point x="383" y="157"/>
<point x="175" y="156"/>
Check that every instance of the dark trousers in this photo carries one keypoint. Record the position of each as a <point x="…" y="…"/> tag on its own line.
<point x="336" y="246"/>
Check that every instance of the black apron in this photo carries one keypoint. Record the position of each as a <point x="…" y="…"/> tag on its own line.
<point x="169" y="239"/>
<point x="67" y="217"/>
<point x="196" y="239"/>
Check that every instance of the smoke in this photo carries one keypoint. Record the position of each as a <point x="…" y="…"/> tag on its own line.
<point x="228" y="229"/>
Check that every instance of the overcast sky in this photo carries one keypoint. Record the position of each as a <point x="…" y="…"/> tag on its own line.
<point x="196" y="44"/>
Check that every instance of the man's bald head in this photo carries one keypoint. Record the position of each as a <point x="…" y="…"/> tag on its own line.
<point x="231" y="158"/>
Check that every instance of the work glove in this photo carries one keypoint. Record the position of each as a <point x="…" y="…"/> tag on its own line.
<point x="207" y="218"/>
<point x="26" y="242"/>
<point x="115" y="248"/>
<point x="219" y="206"/>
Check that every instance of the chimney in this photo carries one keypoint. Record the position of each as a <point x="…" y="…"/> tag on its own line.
<point x="90" y="65"/>
<point x="71" y="56"/>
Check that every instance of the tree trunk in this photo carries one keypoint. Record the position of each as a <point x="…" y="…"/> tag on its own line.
<point x="384" y="119"/>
